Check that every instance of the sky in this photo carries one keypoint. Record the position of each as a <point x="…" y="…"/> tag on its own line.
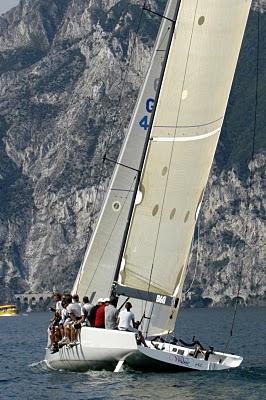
<point x="7" y="4"/>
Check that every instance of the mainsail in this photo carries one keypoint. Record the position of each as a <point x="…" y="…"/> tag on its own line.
<point x="202" y="50"/>
<point x="97" y="271"/>
<point x="183" y="138"/>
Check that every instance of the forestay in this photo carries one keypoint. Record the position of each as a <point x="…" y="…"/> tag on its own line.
<point x="186" y="127"/>
<point x="97" y="272"/>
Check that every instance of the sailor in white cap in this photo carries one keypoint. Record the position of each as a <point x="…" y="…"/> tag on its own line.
<point x="100" y="300"/>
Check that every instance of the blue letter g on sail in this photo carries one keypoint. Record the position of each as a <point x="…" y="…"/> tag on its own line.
<point x="149" y="105"/>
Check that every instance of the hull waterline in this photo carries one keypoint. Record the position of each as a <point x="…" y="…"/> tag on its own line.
<point x="100" y="349"/>
<point x="97" y="349"/>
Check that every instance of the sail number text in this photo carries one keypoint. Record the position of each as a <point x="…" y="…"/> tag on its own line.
<point x="160" y="299"/>
<point x="144" y="122"/>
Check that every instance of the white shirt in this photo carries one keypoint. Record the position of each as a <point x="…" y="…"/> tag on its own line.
<point x="58" y="307"/>
<point x="86" y="308"/>
<point x="110" y="314"/>
<point x="64" y="315"/>
<point x="75" y="308"/>
<point x="125" y="319"/>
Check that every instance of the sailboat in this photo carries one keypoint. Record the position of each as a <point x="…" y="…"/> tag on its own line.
<point x="8" y="310"/>
<point x="141" y="244"/>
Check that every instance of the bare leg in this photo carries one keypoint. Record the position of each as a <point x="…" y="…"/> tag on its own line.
<point x="68" y="332"/>
<point x="52" y="336"/>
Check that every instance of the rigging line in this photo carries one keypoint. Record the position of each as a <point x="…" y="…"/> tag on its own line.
<point x="190" y="126"/>
<point x="126" y="72"/>
<point x="121" y="164"/>
<point x="162" y="40"/>
<point x="129" y="61"/>
<point x="123" y="80"/>
<point x="108" y="141"/>
<point x="147" y="325"/>
<point x="148" y="68"/>
<point x="173" y="27"/>
<point x="133" y="47"/>
<point x="109" y="238"/>
<point x="197" y="257"/>
<point x="172" y="149"/>
<point x="147" y="141"/>
<point x="158" y="15"/>
<point x="250" y="179"/>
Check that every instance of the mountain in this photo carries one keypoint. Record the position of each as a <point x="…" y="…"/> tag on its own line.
<point x="70" y="71"/>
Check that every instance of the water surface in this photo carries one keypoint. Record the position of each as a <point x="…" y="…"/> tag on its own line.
<point x="23" y="374"/>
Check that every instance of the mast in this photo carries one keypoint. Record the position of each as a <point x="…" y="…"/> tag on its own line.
<point x="142" y="240"/>
<point x="146" y="144"/>
<point x="96" y="274"/>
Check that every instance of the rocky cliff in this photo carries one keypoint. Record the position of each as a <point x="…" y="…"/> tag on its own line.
<point x="70" y="71"/>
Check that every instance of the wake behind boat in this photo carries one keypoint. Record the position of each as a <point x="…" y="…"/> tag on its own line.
<point x="140" y="247"/>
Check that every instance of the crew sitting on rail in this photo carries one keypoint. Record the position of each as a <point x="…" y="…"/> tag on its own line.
<point x="55" y="320"/>
<point x="86" y="308"/>
<point x="71" y="316"/>
<point x="75" y="313"/>
<point x="59" y="329"/>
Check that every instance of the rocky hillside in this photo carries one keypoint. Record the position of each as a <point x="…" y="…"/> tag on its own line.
<point x="66" y="69"/>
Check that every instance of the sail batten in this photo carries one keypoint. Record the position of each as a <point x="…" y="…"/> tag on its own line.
<point x="184" y="138"/>
<point x="189" y="126"/>
<point x="98" y="269"/>
<point x="150" y="211"/>
<point x="194" y="91"/>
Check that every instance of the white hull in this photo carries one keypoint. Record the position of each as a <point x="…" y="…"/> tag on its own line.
<point x="98" y="349"/>
<point x="8" y="315"/>
<point x="103" y="349"/>
<point x="169" y="359"/>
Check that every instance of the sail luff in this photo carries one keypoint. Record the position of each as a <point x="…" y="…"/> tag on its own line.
<point x="97" y="270"/>
<point x="184" y="136"/>
<point x="146" y="143"/>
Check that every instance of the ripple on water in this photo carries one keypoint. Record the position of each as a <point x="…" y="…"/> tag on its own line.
<point x="22" y="379"/>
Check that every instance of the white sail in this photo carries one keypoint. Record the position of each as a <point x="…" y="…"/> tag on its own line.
<point x="98" y="268"/>
<point x="143" y="237"/>
<point x="186" y="127"/>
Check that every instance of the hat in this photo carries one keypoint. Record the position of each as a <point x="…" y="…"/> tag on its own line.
<point x="100" y="300"/>
<point x="106" y="300"/>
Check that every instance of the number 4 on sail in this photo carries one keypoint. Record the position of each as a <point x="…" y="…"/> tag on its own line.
<point x="140" y="247"/>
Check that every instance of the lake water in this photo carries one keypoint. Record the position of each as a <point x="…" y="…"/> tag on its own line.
<point x="23" y="374"/>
